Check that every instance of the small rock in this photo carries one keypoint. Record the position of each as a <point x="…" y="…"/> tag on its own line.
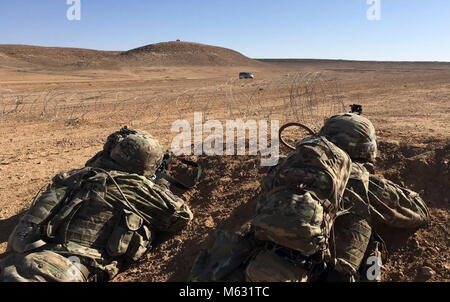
<point x="426" y="273"/>
<point x="210" y="222"/>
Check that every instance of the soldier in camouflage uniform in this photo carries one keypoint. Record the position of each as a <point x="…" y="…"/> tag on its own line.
<point x="289" y="236"/>
<point x="91" y="223"/>
<point x="292" y="240"/>
<point x="370" y="198"/>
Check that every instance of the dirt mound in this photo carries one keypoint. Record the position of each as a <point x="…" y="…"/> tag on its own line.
<point x="227" y="196"/>
<point x="425" y="167"/>
<point x="186" y="54"/>
<point x="421" y="255"/>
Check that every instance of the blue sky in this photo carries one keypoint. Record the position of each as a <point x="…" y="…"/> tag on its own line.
<point x="329" y="29"/>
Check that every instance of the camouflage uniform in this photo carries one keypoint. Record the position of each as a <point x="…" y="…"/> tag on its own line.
<point x="91" y="223"/>
<point x="289" y="239"/>
<point x="368" y="197"/>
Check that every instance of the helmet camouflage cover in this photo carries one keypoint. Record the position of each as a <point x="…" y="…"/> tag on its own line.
<point x="131" y="151"/>
<point x="354" y="134"/>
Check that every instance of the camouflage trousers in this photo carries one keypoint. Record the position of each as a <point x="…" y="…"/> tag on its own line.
<point x="45" y="266"/>
<point x="387" y="204"/>
<point x="229" y="257"/>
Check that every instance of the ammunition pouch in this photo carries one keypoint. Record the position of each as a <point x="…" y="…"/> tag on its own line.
<point x="129" y="238"/>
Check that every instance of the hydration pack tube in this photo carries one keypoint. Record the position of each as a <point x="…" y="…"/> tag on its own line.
<point x="288" y="125"/>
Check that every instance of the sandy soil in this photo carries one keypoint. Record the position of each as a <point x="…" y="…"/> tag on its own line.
<point x="409" y="104"/>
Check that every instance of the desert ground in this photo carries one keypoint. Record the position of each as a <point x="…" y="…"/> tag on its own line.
<point x="57" y="107"/>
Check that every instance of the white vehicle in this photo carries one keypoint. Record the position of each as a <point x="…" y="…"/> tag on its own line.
<point x="246" y="75"/>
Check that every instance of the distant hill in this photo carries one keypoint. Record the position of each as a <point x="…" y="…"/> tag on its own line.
<point x="186" y="53"/>
<point x="161" y="54"/>
<point x="55" y="57"/>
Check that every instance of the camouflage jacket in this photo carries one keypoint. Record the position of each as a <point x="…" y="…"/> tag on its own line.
<point x="99" y="216"/>
<point x="380" y="200"/>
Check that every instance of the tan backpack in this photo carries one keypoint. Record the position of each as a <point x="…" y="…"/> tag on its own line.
<point x="303" y="196"/>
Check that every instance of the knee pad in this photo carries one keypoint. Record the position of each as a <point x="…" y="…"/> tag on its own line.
<point x="351" y="238"/>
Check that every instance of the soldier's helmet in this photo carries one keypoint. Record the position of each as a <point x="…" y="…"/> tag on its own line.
<point x="134" y="151"/>
<point x="354" y="134"/>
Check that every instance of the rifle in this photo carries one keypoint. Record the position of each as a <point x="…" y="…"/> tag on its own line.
<point x="162" y="171"/>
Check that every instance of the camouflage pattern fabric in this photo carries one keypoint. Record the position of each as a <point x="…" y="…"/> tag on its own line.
<point x="230" y="257"/>
<point x="352" y="231"/>
<point x="83" y="213"/>
<point x="366" y="198"/>
<point x="385" y="201"/>
<point x="162" y="210"/>
<point x="353" y="133"/>
<point x="351" y="239"/>
<point x="131" y="151"/>
<point x="223" y="258"/>
<point x="396" y="206"/>
<point x="380" y="200"/>
<point x="44" y="266"/>
<point x="267" y="266"/>
<point x="372" y="199"/>
<point x="292" y="219"/>
<point x="369" y="198"/>
<point x="316" y="165"/>
<point x="356" y="198"/>
<point x="303" y="198"/>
